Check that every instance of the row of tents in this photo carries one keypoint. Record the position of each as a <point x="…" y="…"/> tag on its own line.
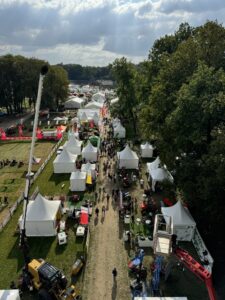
<point x="97" y="102"/>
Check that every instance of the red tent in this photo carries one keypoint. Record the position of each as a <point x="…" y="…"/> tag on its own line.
<point x="83" y="218"/>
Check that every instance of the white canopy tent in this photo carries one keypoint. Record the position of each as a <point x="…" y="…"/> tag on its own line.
<point x="85" y="89"/>
<point x="73" y="145"/>
<point x="89" y="152"/>
<point x="9" y="295"/>
<point x="99" y="97"/>
<point x="115" y="122"/>
<point x="127" y="158"/>
<point x="183" y="223"/>
<point x="89" y="113"/>
<point x="160" y="175"/>
<point x="94" y="105"/>
<point x="89" y="168"/>
<point x="41" y="217"/>
<point x="83" y="117"/>
<point x="114" y="101"/>
<point x="95" y="118"/>
<point x="119" y="131"/>
<point x="64" y="162"/>
<point x="146" y="150"/>
<point x="78" y="181"/>
<point x="74" y="103"/>
<point x="153" y="165"/>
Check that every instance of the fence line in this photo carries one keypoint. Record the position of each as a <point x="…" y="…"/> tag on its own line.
<point x="13" y="208"/>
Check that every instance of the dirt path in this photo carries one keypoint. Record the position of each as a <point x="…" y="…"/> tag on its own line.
<point x="106" y="251"/>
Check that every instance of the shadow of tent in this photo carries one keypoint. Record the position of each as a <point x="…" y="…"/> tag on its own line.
<point x="59" y="178"/>
<point x="16" y="254"/>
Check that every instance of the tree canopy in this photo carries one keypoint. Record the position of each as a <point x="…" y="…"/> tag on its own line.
<point x="19" y="82"/>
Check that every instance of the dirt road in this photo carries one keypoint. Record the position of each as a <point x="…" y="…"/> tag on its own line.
<point x="106" y="251"/>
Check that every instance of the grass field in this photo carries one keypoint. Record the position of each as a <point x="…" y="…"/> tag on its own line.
<point x="12" y="179"/>
<point x="11" y="260"/>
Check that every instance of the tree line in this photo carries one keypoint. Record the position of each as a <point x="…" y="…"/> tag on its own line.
<point x="176" y="99"/>
<point x="87" y="73"/>
<point x="19" y="78"/>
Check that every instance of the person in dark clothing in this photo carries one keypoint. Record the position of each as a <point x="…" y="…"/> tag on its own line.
<point x="97" y="212"/>
<point x="114" y="273"/>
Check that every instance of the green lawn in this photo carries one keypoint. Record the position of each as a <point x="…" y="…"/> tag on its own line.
<point x="11" y="260"/>
<point x="12" y="178"/>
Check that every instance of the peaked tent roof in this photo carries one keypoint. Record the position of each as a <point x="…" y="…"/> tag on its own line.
<point x="147" y="146"/>
<point x="154" y="165"/>
<point x="65" y="156"/>
<point x="94" y="104"/>
<point x="161" y="174"/>
<point x="73" y="142"/>
<point x="42" y="209"/>
<point x="87" y="167"/>
<point x="89" y="148"/>
<point x="83" y="117"/>
<point x="127" y="153"/>
<point x="180" y="215"/>
<point x="78" y="175"/>
<point x="119" y="127"/>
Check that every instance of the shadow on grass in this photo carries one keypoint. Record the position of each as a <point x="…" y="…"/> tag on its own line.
<point x="16" y="253"/>
<point x="59" y="249"/>
<point x="59" y="178"/>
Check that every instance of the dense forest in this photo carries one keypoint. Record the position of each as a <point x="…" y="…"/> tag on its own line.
<point x="86" y="73"/>
<point x="19" y="83"/>
<point x="176" y="99"/>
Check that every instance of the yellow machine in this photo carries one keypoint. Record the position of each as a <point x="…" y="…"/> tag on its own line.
<point x="50" y="282"/>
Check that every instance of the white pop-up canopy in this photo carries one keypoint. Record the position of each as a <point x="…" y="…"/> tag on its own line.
<point x="119" y="131"/>
<point x="74" y="103"/>
<point x="83" y="117"/>
<point x="127" y="158"/>
<point x="160" y="175"/>
<point x="115" y="122"/>
<point x="89" y="168"/>
<point x="41" y="217"/>
<point x="153" y="165"/>
<point x="78" y="181"/>
<point x="9" y="295"/>
<point x="73" y="145"/>
<point x="88" y="112"/>
<point x="94" y="105"/>
<point x="89" y="152"/>
<point x="98" y="97"/>
<point x="183" y="223"/>
<point x="64" y="162"/>
<point x="146" y="150"/>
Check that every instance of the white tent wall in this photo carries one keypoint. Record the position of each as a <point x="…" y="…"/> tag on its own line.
<point x="128" y="164"/>
<point x="159" y="175"/>
<point x="41" y="228"/>
<point x="73" y="145"/>
<point x="78" y="181"/>
<point x="89" y="168"/>
<point x="183" y="224"/>
<point x="64" y="167"/>
<point x="90" y="153"/>
<point x="146" y="150"/>
<point x="74" y="103"/>
<point x="9" y="295"/>
<point x="127" y="158"/>
<point x="119" y="131"/>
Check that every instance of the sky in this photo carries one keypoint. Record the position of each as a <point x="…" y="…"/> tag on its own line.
<point x="96" y="32"/>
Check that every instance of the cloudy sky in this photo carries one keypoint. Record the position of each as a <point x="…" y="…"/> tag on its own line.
<point x="95" y="32"/>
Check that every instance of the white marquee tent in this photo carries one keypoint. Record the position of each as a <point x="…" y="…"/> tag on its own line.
<point x="41" y="217"/>
<point x="74" y="103"/>
<point x="89" y="168"/>
<point x="78" y="181"/>
<point x="9" y="295"/>
<point x="119" y="131"/>
<point x="159" y="175"/>
<point x="89" y="113"/>
<point x="64" y="162"/>
<point x="89" y="152"/>
<point x="94" y="105"/>
<point x="183" y="223"/>
<point x="115" y="122"/>
<point x="73" y="145"/>
<point x="83" y="117"/>
<point x="146" y="150"/>
<point x="85" y="89"/>
<point x="153" y="165"/>
<point x="98" y="97"/>
<point x="127" y="158"/>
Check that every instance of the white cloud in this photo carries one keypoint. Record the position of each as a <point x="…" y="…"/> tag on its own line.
<point x="97" y="31"/>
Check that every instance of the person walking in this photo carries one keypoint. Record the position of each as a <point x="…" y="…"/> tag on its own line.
<point x="97" y="212"/>
<point x="114" y="273"/>
<point x="103" y="211"/>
